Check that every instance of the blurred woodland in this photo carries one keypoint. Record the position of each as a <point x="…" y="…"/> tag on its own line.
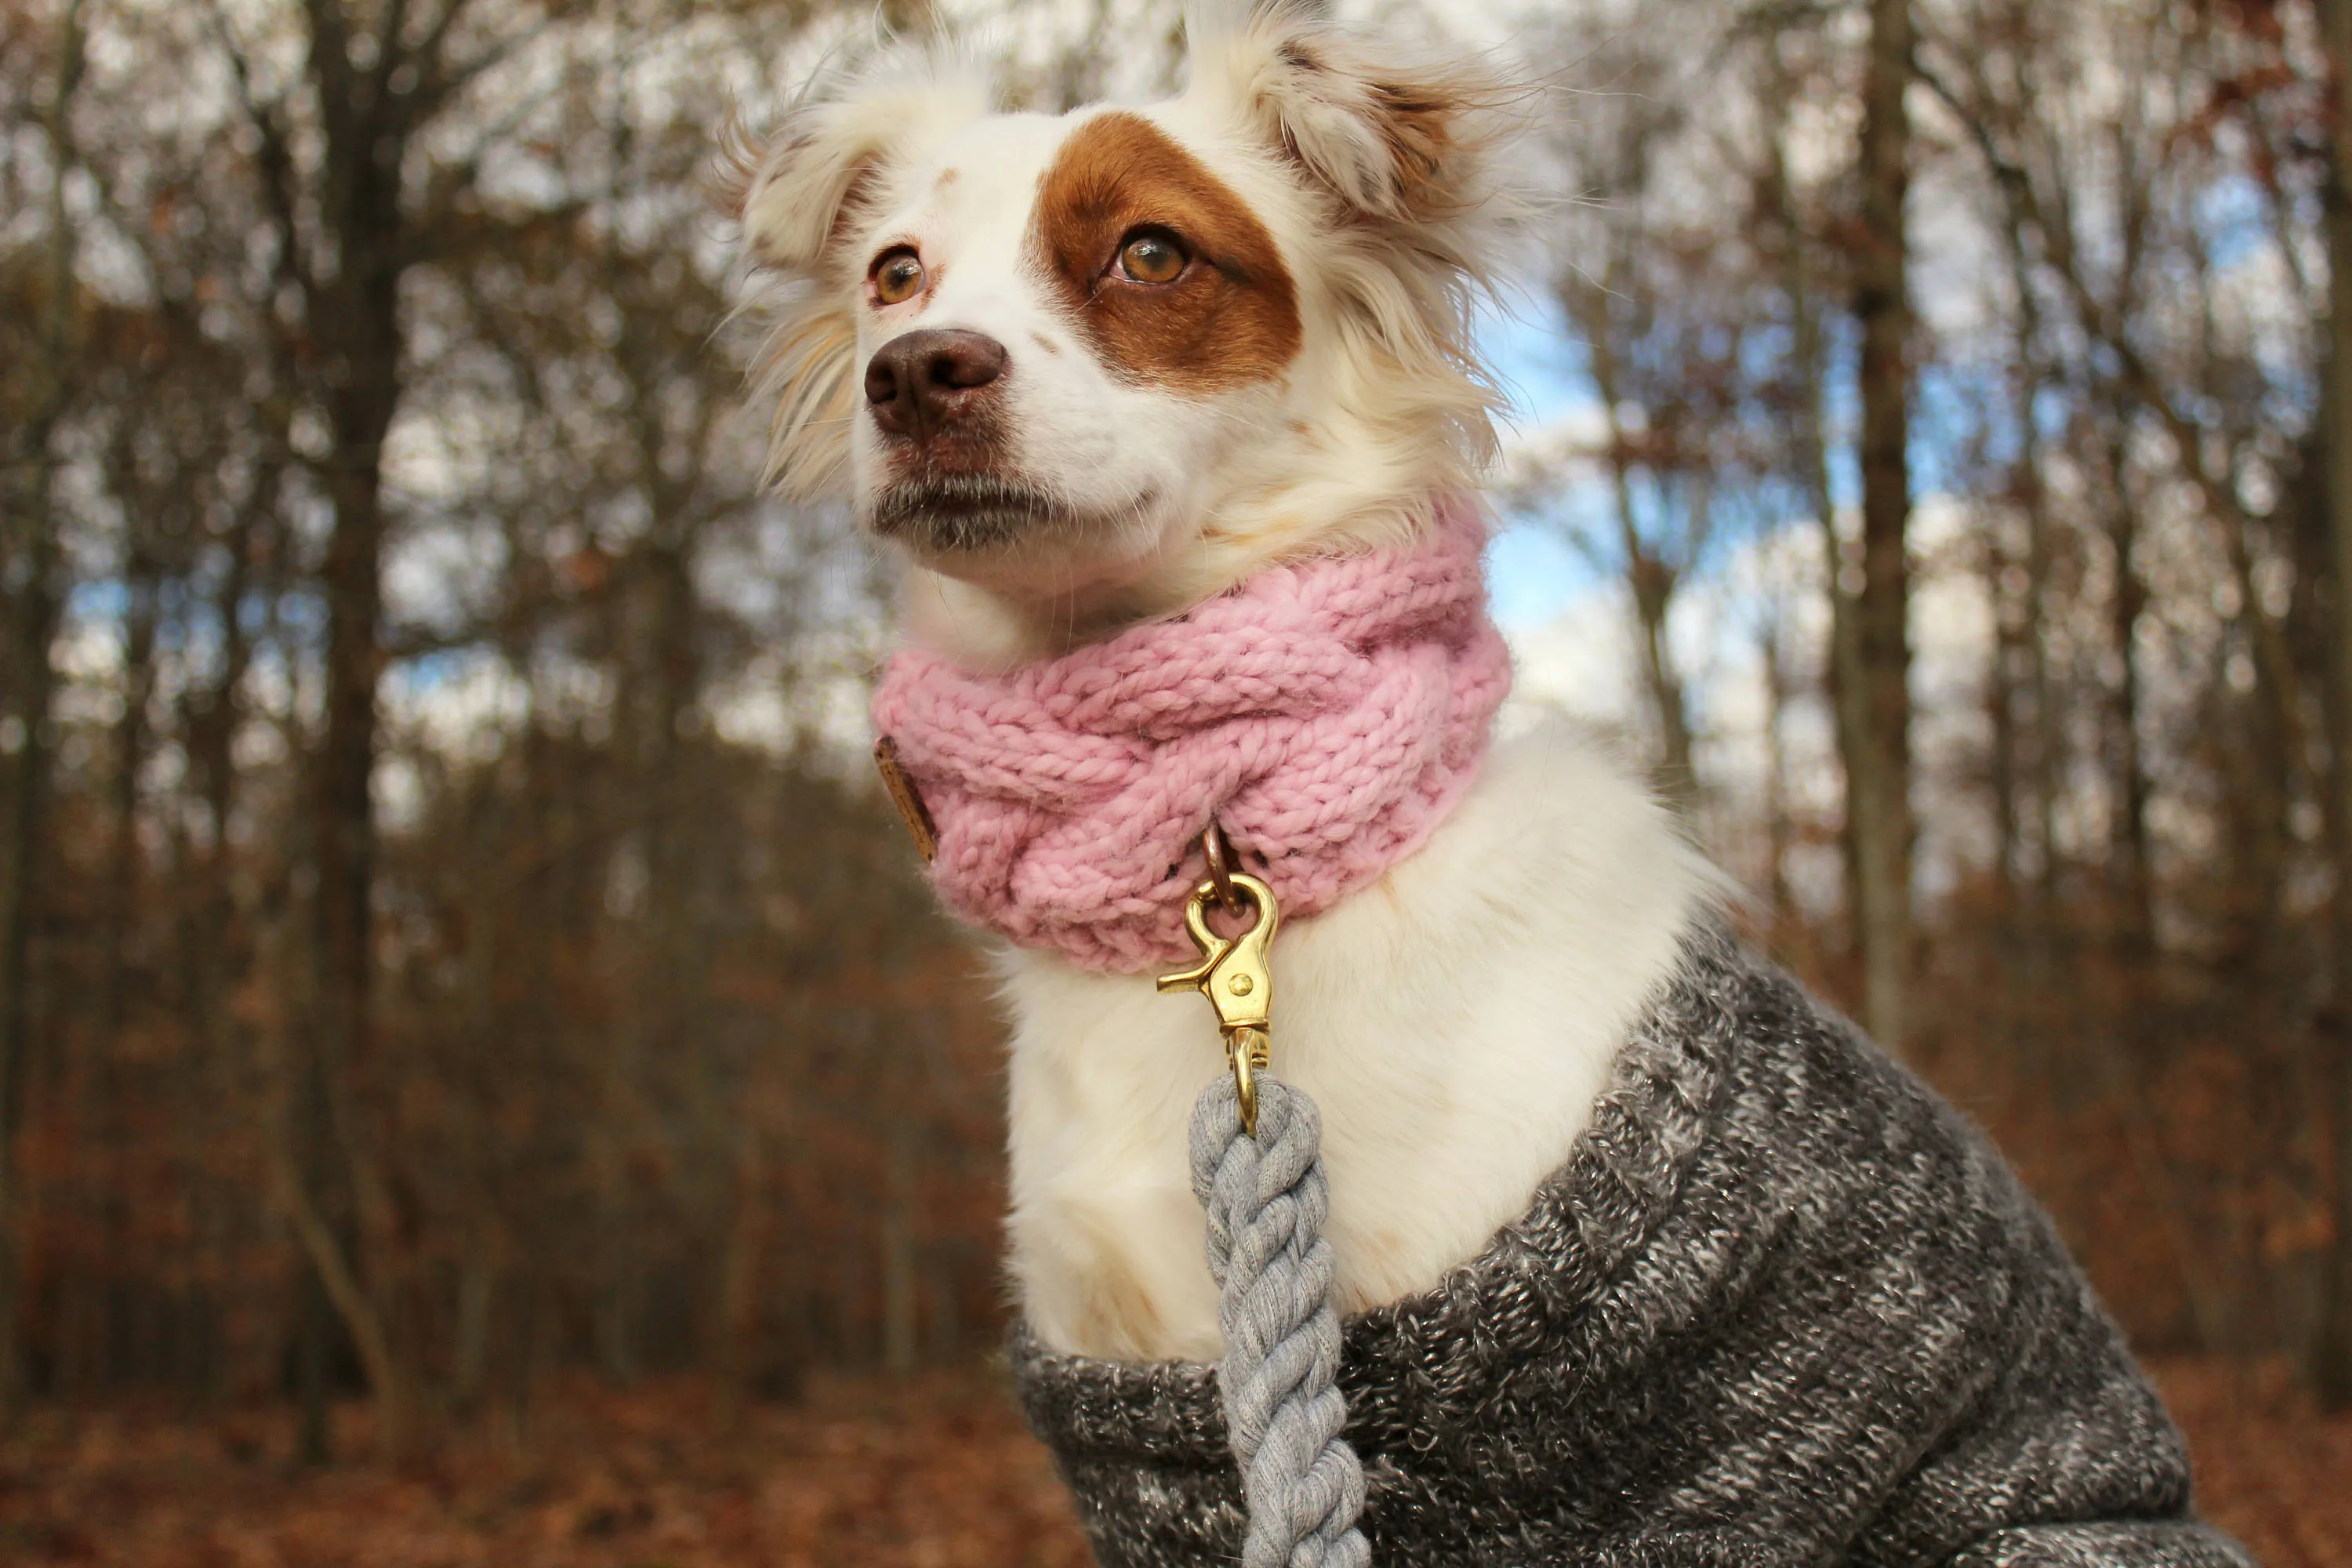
<point x="451" y="955"/>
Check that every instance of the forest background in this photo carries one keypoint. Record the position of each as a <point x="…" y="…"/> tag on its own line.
<point x="471" y="1034"/>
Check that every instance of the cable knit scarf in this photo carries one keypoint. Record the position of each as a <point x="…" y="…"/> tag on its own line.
<point x="1328" y="714"/>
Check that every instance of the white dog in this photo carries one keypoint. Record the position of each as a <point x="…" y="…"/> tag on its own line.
<point x="1088" y="370"/>
<point x="1142" y="448"/>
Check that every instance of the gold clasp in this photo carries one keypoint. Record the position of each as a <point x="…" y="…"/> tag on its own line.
<point x="1234" y="973"/>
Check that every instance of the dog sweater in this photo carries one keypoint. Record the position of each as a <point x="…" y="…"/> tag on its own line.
<point x="1782" y="1305"/>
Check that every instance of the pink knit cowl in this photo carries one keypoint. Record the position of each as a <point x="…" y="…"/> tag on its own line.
<point x="1328" y="714"/>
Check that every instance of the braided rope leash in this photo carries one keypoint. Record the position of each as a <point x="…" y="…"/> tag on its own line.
<point x="1257" y="1169"/>
<point x="1266" y="1199"/>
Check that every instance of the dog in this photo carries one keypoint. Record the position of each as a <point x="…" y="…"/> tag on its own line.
<point x="1090" y="373"/>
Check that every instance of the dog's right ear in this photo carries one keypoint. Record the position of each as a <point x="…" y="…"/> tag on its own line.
<point x="798" y="195"/>
<point x="799" y="190"/>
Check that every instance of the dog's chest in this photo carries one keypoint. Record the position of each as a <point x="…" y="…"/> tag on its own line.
<point x="1454" y="1024"/>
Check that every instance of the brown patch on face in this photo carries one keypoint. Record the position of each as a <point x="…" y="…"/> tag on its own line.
<point x="1230" y="318"/>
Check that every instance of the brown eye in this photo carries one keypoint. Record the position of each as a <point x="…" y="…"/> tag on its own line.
<point x="1152" y="258"/>
<point x="898" y="277"/>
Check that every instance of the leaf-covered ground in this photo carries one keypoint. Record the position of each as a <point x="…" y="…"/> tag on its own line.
<point x="938" y="1475"/>
<point x="2269" y="1468"/>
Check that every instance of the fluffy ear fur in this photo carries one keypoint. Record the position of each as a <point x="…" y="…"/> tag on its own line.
<point x="1401" y="146"/>
<point x="1396" y="135"/>
<point x="799" y="195"/>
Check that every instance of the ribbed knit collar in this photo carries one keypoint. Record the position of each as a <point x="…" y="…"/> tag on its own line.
<point x="1327" y="713"/>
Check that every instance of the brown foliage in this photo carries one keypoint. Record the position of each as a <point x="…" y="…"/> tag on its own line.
<point x="2270" y="1469"/>
<point x="932" y="1474"/>
<point x="665" y="1062"/>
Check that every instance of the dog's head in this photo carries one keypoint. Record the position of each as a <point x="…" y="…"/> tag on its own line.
<point x="1089" y="367"/>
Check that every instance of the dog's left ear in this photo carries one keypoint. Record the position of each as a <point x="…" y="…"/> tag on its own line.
<point x="798" y="197"/>
<point x="1395" y="136"/>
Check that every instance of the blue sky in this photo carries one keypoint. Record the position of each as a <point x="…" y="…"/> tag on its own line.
<point x="1534" y="574"/>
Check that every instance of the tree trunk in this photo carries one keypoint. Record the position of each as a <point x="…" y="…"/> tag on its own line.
<point x="104" y="1206"/>
<point x="1876" y="688"/>
<point x="2333" y="1354"/>
<point x="742" y="1267"/>
<point x="477" y="1282"/>
<point x="1779" y="683"/>
<point x="1653" y="582"/>
<point x="209" y="943"/>
<point x="1846" y="677"/>
<point x="1650" y="576"/>
<point x="331" y="1266"/>
<point x="38" y="612"/>
<point x="27" y="835"/>
<point x="2031" y="637"/>
<point x="130" y="752"/>
<point x="900" y="1264"/>
<point x="353" y="314"/>
<point x="2012" y="624"/>
<point x="2130" y="889"/>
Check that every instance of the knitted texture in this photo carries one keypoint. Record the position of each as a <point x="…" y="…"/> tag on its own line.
<point x="1266" y="1199"/>
<point x="1326" y="713"/>
<point x="1781" y="1306"/>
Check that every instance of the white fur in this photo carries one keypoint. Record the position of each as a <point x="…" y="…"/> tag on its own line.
<point x="1453" y="1023"/>
<point x="1385" y="220"/>
<point x="1141" y="461"/>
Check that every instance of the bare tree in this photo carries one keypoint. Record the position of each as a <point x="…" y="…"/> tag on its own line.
<point x="2332" y="1357"/>
<point x="1873" y="645"/>
<point x="1656" y="296"/>
<point x="620" y="1033"/>
<point x="42" y="363"/>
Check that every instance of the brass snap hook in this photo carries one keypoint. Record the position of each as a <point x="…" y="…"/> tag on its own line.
<point x="1235" y="975"/>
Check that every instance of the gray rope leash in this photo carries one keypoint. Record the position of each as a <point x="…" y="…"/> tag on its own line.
<point x="1257" y="1169"/>
<point x="1266" y="1200"/>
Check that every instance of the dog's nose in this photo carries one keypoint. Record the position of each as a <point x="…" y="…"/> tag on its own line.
<point x="919" y="383"/>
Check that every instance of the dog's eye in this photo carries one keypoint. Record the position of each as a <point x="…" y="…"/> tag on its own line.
<point x="898" y="275"/>
<point x="1153" y="257"/>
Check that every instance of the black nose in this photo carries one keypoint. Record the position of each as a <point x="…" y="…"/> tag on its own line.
<point x="916" y="384"/>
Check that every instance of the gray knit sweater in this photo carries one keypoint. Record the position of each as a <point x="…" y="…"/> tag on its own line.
<point x="1782" y="1305"/>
